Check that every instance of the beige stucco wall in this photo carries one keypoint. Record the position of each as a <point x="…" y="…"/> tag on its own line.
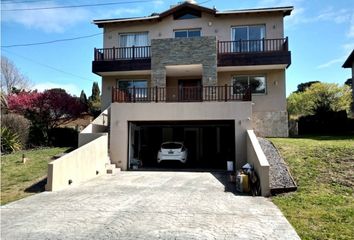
<point x="95" y="129"/>
<point x="256" y="157"/>
<point x="122" y="113"/>
<point x="269" y="116"/>
<point x="273" y="100"/>
<point x="78" y="165"/>
<point x="220" y="26"/>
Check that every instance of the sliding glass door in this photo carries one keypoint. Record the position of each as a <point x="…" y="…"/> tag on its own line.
<point x="248" y="38"/>
<point x="138" y="40"/>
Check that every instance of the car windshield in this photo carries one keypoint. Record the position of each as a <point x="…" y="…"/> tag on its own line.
<point x="171" y="145"/>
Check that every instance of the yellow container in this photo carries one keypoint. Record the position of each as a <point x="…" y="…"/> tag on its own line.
<point x="242" y="183"/>
<point x="245" y="183"/>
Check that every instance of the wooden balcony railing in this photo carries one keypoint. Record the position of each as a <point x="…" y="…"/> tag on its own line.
<point x="253" y="46"/>
<point x="122" y="53"/>
<point x="180" y="94"/>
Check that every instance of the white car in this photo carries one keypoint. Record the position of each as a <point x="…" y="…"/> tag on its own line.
<point x="172" y="151"/>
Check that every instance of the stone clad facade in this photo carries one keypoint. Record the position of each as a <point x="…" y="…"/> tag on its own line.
<point x="184" y="51"/>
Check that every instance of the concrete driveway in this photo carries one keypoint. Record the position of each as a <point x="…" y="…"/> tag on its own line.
<point x="146" y="205"/>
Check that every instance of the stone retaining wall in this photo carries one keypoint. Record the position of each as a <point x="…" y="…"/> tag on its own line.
<point x="270" y="124"/>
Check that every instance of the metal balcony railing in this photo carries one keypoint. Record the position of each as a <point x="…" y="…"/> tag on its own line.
<point x="180" y="94"/>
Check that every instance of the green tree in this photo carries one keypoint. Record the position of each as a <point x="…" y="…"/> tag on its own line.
<point x="303" y="86"/>
<point x="298" y="104"/>
<point x="94" y="101"/>
<point x="83" y="100"/>
<point x="95" y="95"/>
<point x="319" y="98"/>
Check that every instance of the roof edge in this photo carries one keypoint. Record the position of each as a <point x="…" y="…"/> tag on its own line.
<point x="349" y="62"/>
<point x="286" y="12"/>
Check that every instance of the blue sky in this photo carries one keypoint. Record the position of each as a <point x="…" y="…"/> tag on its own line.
<point x="321" y="35"/>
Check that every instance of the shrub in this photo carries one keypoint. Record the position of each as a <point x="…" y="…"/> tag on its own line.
<point x="18" y="125"/>
<point x="320" y="98"/>
<point x="10" y="141"/>
<point x="46" y="111"/>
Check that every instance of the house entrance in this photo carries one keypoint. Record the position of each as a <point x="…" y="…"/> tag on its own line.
<point x="189" y="90"/>
<point x="209" y="144"/>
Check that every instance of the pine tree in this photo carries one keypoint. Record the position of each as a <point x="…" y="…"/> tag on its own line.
<point x="94" y="100"/>
<point x="95" y="92"/>
<point x="83" y="98"/>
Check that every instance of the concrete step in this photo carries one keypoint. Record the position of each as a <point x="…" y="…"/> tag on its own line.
<point x="111" y="168"/>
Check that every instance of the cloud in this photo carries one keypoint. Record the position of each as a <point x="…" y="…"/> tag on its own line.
<point x="118" y="12"/>
<point x="47" y="20"/>
<point x="337" y="16"/>
<point x="331" y="62"/>
<point x="69" y="87"/>
<point x="348" y="47"/>
<point x="158" y="3"/>
<point x="278" y="3"/>
<point x="351" y="28"/>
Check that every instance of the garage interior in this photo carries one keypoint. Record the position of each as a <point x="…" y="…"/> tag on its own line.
<point x="210" y="144"/>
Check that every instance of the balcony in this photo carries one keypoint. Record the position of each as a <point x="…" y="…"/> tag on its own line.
<point x="121" y="59"/>
<point x="229" y="53"/>
<point x="181" y="94"/>
<point x="253" y="52"/>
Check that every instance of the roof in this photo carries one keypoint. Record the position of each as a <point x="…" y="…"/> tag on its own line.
<point x="349" y="62"/>
<point x="285" y="10"/>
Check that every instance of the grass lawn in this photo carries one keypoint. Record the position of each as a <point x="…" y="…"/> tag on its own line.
<point x="17" y="178"/>
<point x="323" y="167"/>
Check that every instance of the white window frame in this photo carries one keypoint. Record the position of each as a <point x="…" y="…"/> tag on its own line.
<point x="132" y="33"/>
<point x="233" y="79"/>
<point x="187" y="29"/>
<point x="126" y="52"/>
<point x="248" y="35"/>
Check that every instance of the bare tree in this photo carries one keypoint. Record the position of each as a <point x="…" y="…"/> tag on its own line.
<point x="11" y="77"/>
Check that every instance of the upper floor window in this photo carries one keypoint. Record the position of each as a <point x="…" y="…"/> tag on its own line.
<point x="133" y="39"/>
<point x="257" y="84"/>
<point x="138" y="40"/>
<point x="187" y="33"/>
<point x="248" y="38"/>
<point x="133" y="88"/>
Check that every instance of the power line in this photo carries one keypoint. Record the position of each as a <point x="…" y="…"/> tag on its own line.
<point x="52" y="41"/>
<point x="46" y="65"/>
<point x="16" y="2"/>
<point x="73" y="6"/>
<point x="64" y="39"/>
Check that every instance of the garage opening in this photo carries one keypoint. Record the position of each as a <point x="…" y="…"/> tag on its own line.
<point x="209" y="144"/>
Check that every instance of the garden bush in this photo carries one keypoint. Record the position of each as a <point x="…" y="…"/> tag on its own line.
<point x="10" y="141"/>
<point x="18" y="125"/>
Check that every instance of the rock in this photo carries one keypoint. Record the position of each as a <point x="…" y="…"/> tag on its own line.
<point x="280" y="178"/>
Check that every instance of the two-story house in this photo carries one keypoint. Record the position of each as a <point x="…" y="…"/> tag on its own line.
<point x="195" y="75"/>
